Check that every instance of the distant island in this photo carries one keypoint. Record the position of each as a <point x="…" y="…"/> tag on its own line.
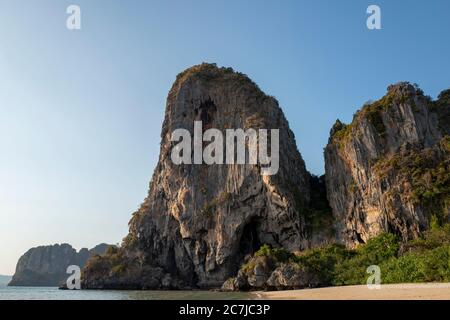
<point x="45" y="266"/>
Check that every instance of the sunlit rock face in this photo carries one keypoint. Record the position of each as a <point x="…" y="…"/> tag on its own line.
<point x="388" y="169"/>
<point x="199" y="221"/>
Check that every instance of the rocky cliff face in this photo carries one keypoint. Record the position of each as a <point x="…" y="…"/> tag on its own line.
<point x="198" y="222"/>
<point x="389" y="169"/>
<point x="386" y="171"/>
<point x="46" y="265"/>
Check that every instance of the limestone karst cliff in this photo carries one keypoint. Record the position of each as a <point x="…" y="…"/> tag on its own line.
<point x="389" y="169"/>
<point x="46" y="265"/>
<point x="198" y="222"/>
<point x="386" y="171"/>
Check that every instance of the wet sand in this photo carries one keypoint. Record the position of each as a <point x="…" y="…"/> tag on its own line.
<point x="416" y="291"/>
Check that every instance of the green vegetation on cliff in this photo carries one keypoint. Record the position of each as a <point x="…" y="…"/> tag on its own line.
<point x="441" y="107"/>
<point x="372" y="111"/>
<point x="112" y="261"/>
<point x="426" y="172"/>
<point x="426" y="259"/>
<point x="209" y="72"/>
<point x="319" y="217"/>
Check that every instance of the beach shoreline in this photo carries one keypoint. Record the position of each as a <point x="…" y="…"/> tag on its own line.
<point x="406" y="291"/>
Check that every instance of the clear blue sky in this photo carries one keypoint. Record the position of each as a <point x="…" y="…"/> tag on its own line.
<point x="81" y="111"/>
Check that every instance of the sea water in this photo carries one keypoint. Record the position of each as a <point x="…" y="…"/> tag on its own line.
<point x="53" y="293"/>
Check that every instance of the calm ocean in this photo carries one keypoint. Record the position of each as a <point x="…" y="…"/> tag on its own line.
<point x="50" y="293"/>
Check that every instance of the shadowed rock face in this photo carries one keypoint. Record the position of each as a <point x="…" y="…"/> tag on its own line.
<point x="199" y="221"/>
<point x="388" y="169"/>
<point x="46" y="265"/>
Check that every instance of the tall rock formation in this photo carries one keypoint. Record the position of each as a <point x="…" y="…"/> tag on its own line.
<point x="199" y="221"/>
<point x="389" y="169"/>
<point x="46" y="266"/>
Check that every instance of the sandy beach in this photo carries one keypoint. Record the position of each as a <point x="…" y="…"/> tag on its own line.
<point x="416" y="291"/>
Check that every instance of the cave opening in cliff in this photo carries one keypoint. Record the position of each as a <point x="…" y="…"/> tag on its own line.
<point x="249" y="242"/>
<point x="205" y="113"/>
